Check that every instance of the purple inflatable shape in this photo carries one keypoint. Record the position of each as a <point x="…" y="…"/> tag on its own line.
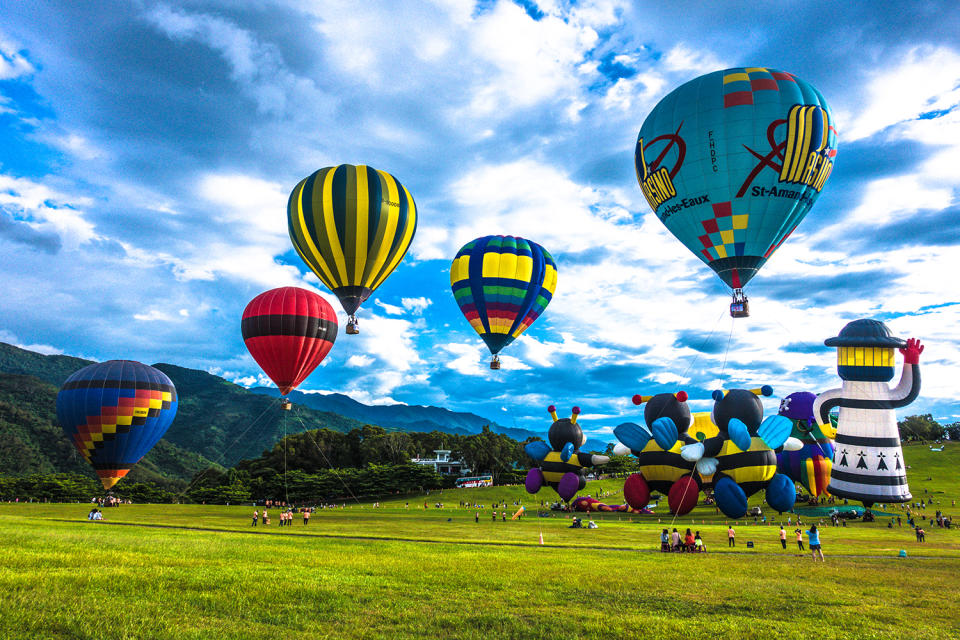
<point x="798" y="406"/>
<point x="568" y="486"/>
<point x="534" y="480"/>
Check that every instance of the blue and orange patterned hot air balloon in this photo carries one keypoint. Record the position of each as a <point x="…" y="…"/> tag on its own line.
<point x="114" y="412"/>
<point x="351" y="225"/>
<point x="732" y="161"/>
<point x="502" y="285"/>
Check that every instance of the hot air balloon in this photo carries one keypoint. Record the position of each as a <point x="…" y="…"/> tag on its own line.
<point x="502" y="285"/>
<point x="731" y="162"/>
<point x="351" y="225"/>
<point x="114" y="412"/>
<point x="288" y="331"/>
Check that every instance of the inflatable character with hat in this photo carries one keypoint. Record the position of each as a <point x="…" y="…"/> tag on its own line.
<point x="868" y="461"/>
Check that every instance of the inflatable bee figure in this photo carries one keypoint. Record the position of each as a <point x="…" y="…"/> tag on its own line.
<point x="657" y="447"/>
<point x="741" y="458"/>
<point x="562" y="465"/>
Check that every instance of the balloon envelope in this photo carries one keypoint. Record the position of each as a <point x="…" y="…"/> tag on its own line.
<point x="732" y="161"/>
<point x="502" y="285"/>
<point x="114" y="412"/>
<point x="288" y="331"/>
<point x="351" y="225"/>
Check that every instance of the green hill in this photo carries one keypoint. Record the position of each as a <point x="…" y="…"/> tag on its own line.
<point x="217" y="423"/>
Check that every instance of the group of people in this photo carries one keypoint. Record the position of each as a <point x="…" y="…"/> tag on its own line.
<point x="286" y="516"/>
<point x="690" y="543"/>
<point x="95" y="514"/>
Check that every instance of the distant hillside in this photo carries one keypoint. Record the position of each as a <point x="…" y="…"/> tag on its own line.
<point x="217" y="422"/>
<point x="401" y="417"/>
<point x="224" y="422"/>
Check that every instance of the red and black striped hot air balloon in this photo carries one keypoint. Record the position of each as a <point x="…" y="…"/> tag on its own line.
<point x="289" y="331"/>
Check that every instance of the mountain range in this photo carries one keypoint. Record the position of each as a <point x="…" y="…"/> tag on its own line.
<point x="218" y="422"/>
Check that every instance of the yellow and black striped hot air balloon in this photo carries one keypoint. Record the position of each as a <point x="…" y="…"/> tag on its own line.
<point x="352" y="225"/>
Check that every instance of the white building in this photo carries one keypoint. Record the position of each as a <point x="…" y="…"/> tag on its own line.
<point x="442" y="463"/>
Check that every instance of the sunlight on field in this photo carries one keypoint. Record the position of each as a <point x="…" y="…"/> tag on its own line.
<point x="402" y="570"/>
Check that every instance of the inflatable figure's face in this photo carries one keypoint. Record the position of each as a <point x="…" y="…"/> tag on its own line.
<point x="563" y="431"/>
<point x="666" y="405"/>
<point x="798" y="407"/>
<point x="741" y="404"/>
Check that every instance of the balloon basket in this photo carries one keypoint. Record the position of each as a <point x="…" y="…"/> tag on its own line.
<point x="740" y="307"/>
<point x="285" y="405"/>
<point x="352" y="326"/>
<point x="495" y="363"/>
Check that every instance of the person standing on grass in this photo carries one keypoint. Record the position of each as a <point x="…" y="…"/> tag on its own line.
<point x="783" y="537"/>
<point x="476" y="517"/>
<point x="256" y="514"/>
<point x="731" y="537"/>
<point x="814" y="536"/>
<point x="266" y="518"/>
<point x="799" y="538"/>
<point x="306" y="516"/>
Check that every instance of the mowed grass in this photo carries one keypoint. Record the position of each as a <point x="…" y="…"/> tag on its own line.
<point x="189" y="571"/>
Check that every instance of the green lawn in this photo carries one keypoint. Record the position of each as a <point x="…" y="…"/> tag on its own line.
<point x="182" y="571"/>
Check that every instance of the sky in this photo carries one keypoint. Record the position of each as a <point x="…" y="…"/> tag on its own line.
<point x="147" y="150"/>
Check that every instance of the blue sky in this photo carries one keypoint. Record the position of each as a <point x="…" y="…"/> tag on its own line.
<point x="147" y="150"/>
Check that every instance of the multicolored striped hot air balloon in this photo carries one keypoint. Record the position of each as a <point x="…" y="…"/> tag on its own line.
<point x="288" y="331"/>
<point x="732" y="161"/>
<point x="502" y="285"/>
<point x="114" y="412"/>
<point x="351" y="225"/>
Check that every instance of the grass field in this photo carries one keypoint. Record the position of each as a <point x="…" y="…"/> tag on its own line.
<point x="181" y="571"/>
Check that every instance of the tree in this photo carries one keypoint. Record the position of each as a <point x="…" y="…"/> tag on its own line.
<point x="922" y="427"/>
<point x="490" y="452"/>
<point x="953" y="431"/>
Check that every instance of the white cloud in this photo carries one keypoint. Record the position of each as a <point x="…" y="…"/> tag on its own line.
<point x="258" y="67"/>
<point x="46" y="209"/>
<point x="45" y="349"/>
<point x="359" y="361"/>
<point x="416" y="305"/>
<point x="389" y="309"/>
<point x="12" y="63"/>
<point x="158" y="315"/>
<point x="926" y="79"/>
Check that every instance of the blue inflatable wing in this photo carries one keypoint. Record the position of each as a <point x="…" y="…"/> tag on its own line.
<point x="739" y="434"/>
<point x="774" y="431"/>
<point x="633" y="436"/>
<point x="665" y="433"/>
<point x="537" y="450"/>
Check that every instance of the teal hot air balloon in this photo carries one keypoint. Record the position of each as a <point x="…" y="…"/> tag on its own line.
<point x="732" y="161"/>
